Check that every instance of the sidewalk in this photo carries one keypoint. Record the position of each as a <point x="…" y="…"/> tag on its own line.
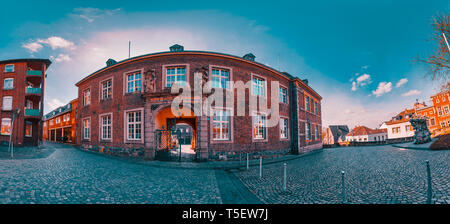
<point x="26" y="152"/>
<point x="411" y="145"/>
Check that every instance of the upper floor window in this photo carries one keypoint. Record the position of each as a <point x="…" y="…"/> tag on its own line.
<point x="8" y="83"/>
<point x="176" y="75"/>
<point x="446" y="111"/>
<point x="86" y="97"/>
<point x="258" y="86"/>
<point x="259" y="126"/>
<point x="221" y="125"/>
<point x="432" y="121"/>
<point x="306" y="103"/>
<point x="283" y="95"/>
<point x="220" y="78"/>
<point x="6" y="126"/>
<point x="284" y="128"/>
<point x="9" y="68"/>
<point x="51" y="122"/>
<point x="7" y="103"/>
<point x="315" y="108"/>
<point x="58" y="120"/>
<point x="440" y="111"/>
<point x="134" y="82"/>
<point x="106" y="89"/>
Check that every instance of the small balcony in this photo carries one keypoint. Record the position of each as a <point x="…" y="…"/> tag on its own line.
<point x="34" y="73"/>
<point x="29" y="90"/>
<point x="32" y="112"/>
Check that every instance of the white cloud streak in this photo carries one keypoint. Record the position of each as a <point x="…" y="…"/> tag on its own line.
<point x="383" y="88"/>
<point x="401" y="82"/>
<point x="412" y="93"/>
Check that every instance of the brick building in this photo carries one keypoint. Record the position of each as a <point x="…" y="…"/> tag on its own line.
<point x="125" y="106"/>
<point x="60" y="124"/>
<point x="22" y="94"/>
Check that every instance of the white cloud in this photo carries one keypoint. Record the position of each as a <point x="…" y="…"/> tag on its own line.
<point x="362" y="80"/>
<point x="412" y="93"/>
<point x="61" y="58"/>
<point x="354" y="88"/>
<point x="33" y="46"/>
<point x="91" y="14"/>
<point x="54" y="103"/>
<point x="383" y="88"/>
<point x="57" y="42"/>
<point x="401" y="82"/>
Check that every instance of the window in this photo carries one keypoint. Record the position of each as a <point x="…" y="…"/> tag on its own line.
<point x="29" y="104"/>
<point x="6" y="126"/>
<point x="440" y="111"/>
<point x="9" y="68"/>
<point x="284" y="128"/>
<point x="8" y="83"/>
<point x="446" y="111"/>
<point x="317" y="132"/>
<point x="175" y="74"/>
<point x="87" y="129"/>
<point x="220" y="78"/>
<point x="315" y="108"/>
<point x="443" y="99"/>
<point x="66" y="117"/>
<point x="134" y="125"/>
<point x="308" y="131"/>
<point x="106" y="127"/>
<point x="51" y="122"/>
<point x="437" y="100"/>
<point x="28" y="129"/>
<point x="443" y="124"/>
<point x="306" y="103"/>
<point x="283" y="95"/>
<point x="432" y="122"/>
<point x="86" y="97"/>
<point x="58" y="120"/>
<point x="106" y="89"/>
<point x="221" y="125"/>
<point x="259" y="126"/>
<point x="7" y="103"/>
<point x="258" y="86"/>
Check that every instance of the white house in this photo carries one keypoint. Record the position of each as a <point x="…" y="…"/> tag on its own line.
<point x="365" y="134"/>
<point x="399" y="126"/>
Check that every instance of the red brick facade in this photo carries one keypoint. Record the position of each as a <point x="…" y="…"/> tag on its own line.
<point x="153" y="100"/>
<point x="22" y="83"/>
<point x="60" y="125"/>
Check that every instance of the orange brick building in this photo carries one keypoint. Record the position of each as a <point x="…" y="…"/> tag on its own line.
<point x="60" y="124"/>
<point x="442" y="113"/>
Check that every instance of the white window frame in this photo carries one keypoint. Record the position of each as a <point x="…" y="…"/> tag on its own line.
<point x="87" y="101"/>
<point x="284" y="126"/>
<point x="8" y="120"/>
<point x="109" y="126"/>
<point x="134" y="87"/>
<point x="317" y="132"/>
<point x="254" y="120"/>
<point x="220" y="78"/>
<point x="260" y="86"/>
<point x="221" y="123"/>
<point x="176" y="76"/>
<point x="3" y="103"/>
<point x="307" y="101"/>
<point x="4" y="83"/>
<point x="86" y="130"/>
<point x="9" y="65"/>
<point x="308" y="131"/>
<point x="285" y="98"/>
<point x="108" y="89"/>
<point x="134" y="123"/>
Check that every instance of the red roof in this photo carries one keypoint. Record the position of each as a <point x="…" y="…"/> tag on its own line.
<point x="363" y="130"/>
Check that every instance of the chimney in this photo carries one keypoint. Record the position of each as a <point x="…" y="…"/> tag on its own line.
<point x="110" y="62"/>
<point x="176" y="48"/>
<point x="249" y="57"/>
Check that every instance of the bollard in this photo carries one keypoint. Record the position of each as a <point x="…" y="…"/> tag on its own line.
<point x="284" y="179"/>
<point x="260" y="166"/>
<point x="343" y="188"/>
<point x="247" y="161"/>
<point x="429" y="190"/>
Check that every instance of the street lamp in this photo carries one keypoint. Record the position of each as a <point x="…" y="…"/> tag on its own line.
<point x="11" y="145"/>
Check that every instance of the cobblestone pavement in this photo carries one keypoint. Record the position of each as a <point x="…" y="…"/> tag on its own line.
<point x="377" y="174"/>
<point x="72" y="176"/>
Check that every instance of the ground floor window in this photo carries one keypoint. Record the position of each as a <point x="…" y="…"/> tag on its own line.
<point x="134" y="125"/>
<point x="308" y="131"/>
<point x="317" y="132"/>
<point x="284" y="128"/>
<point x="87" y="129"/>
<point x="259" y="126"/>
<point x="28" y="129"/>
<point x="221" y="125"/>
<point x="106" y="127"/>
<point x="6" y="126"/>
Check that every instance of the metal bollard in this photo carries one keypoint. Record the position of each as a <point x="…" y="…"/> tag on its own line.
<point x="344" y="200"/>
<point x="247" y="161"/>
<point x="284" y="179"/>
<point x="429" y="190"/>
<point x="260" y="166"/>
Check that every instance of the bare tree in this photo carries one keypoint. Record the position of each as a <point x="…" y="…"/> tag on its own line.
<point x="438" y="63"/>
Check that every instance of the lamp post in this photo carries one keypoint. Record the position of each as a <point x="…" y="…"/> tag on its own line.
<point x="11" y="146"/>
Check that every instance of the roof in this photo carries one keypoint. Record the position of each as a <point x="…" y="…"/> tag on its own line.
<point x="46" y="61"/>
<point x="400" y="117"/>
<point x="338" y="131"/>
<point x="363" y="130"/>
<point x="58" y="111"/>
<point x="171" y="53"/>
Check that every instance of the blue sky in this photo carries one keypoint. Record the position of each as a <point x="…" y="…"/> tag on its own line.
<point x="354" y="53"/>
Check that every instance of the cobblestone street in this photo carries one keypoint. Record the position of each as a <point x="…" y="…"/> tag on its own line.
<point x="380" y="174"/>
<point x="377" y="174"/>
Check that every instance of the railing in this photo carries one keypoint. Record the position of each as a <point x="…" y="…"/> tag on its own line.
<point x="34" y="73"/>
<point x="33" y="90"/>
<point x="33" y="112"/>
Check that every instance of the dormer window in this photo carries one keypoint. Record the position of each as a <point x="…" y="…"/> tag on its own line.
<point x="249" y="57"/>
<point x="176" y="48"/>
<point x="110" y="62"/>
